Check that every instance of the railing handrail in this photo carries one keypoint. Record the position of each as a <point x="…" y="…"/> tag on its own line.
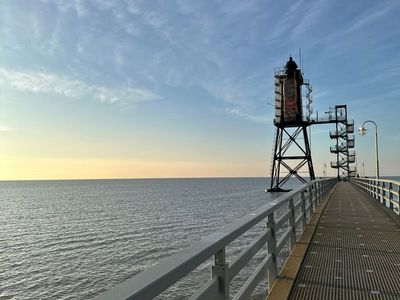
<point x="386" y="191"/>
<point x="153" y="281"/>
<point x="376" y="179"/>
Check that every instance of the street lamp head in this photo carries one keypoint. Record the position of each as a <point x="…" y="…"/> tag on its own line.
<point x="362" y="131"/>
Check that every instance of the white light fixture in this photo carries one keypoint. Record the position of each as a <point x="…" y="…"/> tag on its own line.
<point x="362" y="131"/>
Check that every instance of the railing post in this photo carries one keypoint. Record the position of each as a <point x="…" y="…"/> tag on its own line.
<point x="368" y="187"/>
<point x="398" y="197"/>
<point x="377" y="190"/>
<point x="273" y="271"/>
<point x="303" y="210"/>
<point x="311" y="199"/>
<point x="383" y="186"/>
<point x="220" y="270"/>
<point x="371" y="188"/>
<point x="292" y="223"/>
<point x="391" y="206"/>
<point x="319" y="193"/>
<point x="316" y="194"/>
<point x="316" y="201"/>
<point x="374" y="189"/>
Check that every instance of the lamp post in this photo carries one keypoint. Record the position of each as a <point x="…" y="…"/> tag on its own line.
<point x="362" y="130"/>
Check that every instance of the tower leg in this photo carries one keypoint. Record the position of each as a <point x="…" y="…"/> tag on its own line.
<point x="276" y="163"/>
<point x="284" y="162"/>
<point x="308" y="154"/>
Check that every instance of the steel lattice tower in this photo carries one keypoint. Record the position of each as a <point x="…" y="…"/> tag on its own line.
<point x="291" y="149"/>
<point x="291" y="144"/>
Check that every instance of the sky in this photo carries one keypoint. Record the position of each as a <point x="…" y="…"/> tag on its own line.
<point x="139" y="89"/>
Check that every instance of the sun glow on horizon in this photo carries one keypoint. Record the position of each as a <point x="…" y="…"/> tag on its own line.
<point x="31" y="168"/>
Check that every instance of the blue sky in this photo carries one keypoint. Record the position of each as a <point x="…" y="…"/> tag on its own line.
<point x="101" y="89"/>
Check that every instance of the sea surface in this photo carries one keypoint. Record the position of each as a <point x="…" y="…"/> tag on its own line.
<point x="74" y="239"/>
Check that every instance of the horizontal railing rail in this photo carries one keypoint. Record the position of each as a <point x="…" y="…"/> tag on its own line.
<point x="295" y="209"/>
<point x="385" y="190"/>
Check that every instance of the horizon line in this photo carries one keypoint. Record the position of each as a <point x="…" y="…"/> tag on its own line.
<point x="164" y="178"/>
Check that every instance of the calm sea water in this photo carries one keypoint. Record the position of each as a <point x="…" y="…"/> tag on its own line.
<point x="76" y="239"/>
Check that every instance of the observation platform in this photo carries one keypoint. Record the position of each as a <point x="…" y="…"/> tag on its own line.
<point x="354" y="252"/>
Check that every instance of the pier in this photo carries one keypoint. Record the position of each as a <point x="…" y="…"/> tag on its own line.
<point x="354" y="252"/>
<point x="343" y="239"/>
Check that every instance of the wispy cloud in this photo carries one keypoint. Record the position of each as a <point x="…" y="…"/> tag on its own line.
<point x="46" y="83"/>
<point x="238" y="113"/>
<point x="231" y="58"/>
<point x="285" y="23"/>
<point x="310" y="17"/>
<point x="75" y="5"/>
<point x="372" y="15"/>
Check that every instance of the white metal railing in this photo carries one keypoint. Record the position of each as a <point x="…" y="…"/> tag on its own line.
<point x="386" y="191"/>
<point x="295" y="208"/>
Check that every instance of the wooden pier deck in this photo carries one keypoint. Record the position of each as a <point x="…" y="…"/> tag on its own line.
<point x="354" y="252"/>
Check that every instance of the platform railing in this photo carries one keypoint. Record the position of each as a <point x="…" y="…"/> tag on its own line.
<point x="293" y="208"/>
<point x="385" y="191"/>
